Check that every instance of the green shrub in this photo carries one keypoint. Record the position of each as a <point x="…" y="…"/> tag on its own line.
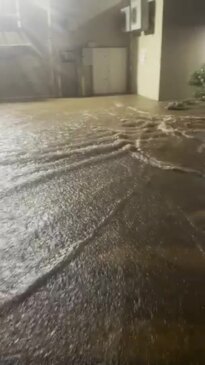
<point x="198" y="81"/>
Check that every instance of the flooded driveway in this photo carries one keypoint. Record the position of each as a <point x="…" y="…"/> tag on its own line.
<point x="102" y="235"/>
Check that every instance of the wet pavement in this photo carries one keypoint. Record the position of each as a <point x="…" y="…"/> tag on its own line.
<point x="102" y="235"/>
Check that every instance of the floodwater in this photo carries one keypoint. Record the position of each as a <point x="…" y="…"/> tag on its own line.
<point x="102" y="234"/>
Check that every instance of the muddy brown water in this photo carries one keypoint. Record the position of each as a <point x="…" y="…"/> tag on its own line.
<point x="102" y="235"/>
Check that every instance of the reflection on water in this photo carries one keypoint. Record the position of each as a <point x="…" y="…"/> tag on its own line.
<point x="102" y="232"/>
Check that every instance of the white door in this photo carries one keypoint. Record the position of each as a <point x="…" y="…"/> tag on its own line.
<point x="100" y="71"/>
<point x="118" y="70"/>
<point x="109" y="71"/>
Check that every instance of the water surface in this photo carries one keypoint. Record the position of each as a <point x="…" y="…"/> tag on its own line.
<point x="102" y="235"/>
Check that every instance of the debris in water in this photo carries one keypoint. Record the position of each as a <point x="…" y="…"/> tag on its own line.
<point x="177" y="105"/>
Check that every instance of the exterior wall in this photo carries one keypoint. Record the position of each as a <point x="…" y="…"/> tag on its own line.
<point x="183" y="47"/>
<point x="146" y="58"/>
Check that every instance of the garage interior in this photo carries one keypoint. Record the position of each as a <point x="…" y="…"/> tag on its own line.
<point x="102" y="194"/>
<point x="81" y="48"/>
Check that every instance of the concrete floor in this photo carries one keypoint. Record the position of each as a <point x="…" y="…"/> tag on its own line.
<point x="102" y="246"/>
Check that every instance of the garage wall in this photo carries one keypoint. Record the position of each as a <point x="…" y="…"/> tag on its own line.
<point x="24" y="70"/>
<point x="183" y="47"/>
<point x="146" y="50"/>
<point x="79" y="24"/>
<point x="75" y="24"/>
<point x="22" y="77"/>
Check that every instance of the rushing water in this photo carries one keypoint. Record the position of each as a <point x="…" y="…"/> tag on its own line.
<point x="102" y="237"/>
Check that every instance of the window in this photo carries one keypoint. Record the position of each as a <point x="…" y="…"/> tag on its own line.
<point x="134" y="15"/>
<point x="151" y="17"/>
